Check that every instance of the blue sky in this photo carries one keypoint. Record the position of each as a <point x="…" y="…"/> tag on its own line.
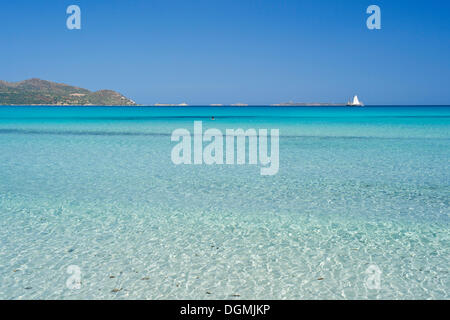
<point x="227" y="51"/>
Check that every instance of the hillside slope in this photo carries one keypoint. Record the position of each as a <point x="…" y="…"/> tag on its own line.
<point x="41" y="92"/>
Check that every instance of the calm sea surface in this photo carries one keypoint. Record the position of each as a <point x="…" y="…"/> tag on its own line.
<point x="358" y="189"/>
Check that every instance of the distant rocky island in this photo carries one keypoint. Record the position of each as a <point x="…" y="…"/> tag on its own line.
<point x="41" y="92"/>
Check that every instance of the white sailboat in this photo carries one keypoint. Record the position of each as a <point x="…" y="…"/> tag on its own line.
<point x="355" y="102"/>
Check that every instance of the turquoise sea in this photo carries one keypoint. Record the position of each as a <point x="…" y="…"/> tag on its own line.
<point x="95" y="188"/>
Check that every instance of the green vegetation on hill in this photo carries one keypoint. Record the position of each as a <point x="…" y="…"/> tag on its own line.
<point x="42" y="92"/>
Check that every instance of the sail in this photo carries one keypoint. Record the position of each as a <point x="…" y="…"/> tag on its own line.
<point x="355" y="102"/>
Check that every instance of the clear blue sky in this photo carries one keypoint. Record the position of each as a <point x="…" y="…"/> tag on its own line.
<point x="227" y="51"/>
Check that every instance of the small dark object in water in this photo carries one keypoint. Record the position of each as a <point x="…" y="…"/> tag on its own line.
<point x="207" y="292"/>
<point x="212" y="118"/>
<point x="320" y="278"/>
<point x="116" y="290"/>
<point x="111" y="277"/>
<point x="145" y="278"/>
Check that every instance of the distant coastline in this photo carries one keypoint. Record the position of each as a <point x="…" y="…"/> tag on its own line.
<point x="309" y="104"/>
<point x="38" y="92"/>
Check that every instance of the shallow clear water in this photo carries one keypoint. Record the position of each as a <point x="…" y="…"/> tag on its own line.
<point x="96" y="188"/>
